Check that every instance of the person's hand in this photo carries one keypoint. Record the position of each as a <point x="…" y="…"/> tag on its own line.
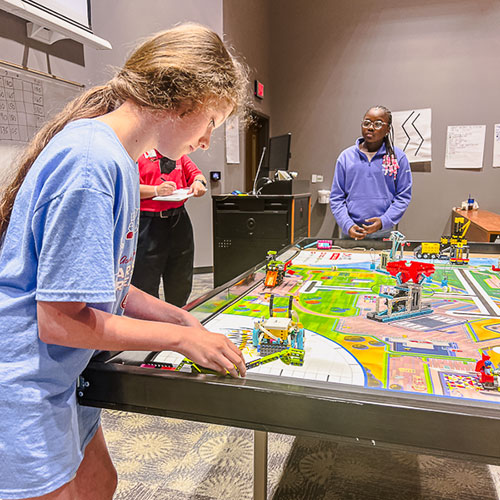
<point x="197" y="188"/>
<point x="214" y="351"/>
<point x="356" y="232"/>
<point x="166" y="188"/>
<point x="374" y="226"/>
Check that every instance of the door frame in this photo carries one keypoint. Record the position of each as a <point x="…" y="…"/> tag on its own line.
<point x="254" y="144"/>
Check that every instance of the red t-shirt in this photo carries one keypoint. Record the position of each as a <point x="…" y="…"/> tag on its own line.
<point x="149" y="173"/>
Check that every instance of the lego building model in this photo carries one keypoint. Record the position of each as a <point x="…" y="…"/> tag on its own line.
<point x="487" y="373"/>
<point x="396" y="252"/>
<point x="453" y="248"/>
<point x="275" y="270"/>
<point x="404" y="300"/>
<point x="279" y="337"/>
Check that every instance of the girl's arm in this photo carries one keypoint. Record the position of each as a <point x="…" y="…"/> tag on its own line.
<point x="164" y="189"/>
<point x="198" y="188"/>
<point x="74" y="324"/>
<point x="192" y="174"/>
<point x="142" y="305"/>
<point x="338" y="197"/>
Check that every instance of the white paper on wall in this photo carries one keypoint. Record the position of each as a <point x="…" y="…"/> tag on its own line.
<point x="232" y="140"/>
<point x="496" y="145"/>
<point x="412" y="133"/>
<point x="26" y="102"/>
<point x="465" y="146"/>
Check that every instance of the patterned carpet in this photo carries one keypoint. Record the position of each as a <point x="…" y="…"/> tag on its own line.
<point x="160" y="458"/>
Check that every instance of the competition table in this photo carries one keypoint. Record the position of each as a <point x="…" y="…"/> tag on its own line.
<point x="362" y="381"/>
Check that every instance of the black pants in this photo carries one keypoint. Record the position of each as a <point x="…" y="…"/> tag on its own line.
<point x="165" y="249"/>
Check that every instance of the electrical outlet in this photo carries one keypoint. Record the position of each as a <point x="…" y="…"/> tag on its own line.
<point x="319" y="178"/>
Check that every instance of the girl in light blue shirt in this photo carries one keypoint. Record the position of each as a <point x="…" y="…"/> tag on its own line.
<point x="68" y="230"/>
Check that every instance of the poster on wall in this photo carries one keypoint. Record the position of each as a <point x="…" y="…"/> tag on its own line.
<point x="465" y="146"/>
<point x="232" y="140"/>
<point x="412" y="133"/>
<point x="496" y="145"/>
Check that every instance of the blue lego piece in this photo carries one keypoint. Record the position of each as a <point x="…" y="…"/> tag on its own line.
<point x="300" y="339"/>
<point x="255" y="337"/>
<point x="397" y="316"/>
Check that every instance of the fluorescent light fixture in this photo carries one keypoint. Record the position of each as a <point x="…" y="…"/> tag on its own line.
<point x="48" y="28"/>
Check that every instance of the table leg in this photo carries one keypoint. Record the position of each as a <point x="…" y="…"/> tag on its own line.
<point x="259" y="465"/>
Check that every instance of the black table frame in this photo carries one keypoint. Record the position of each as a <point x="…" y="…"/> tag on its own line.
<point x="373" y="417"/>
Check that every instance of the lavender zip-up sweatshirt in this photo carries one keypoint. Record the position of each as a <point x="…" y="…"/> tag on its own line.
<point x="360" y="190"/>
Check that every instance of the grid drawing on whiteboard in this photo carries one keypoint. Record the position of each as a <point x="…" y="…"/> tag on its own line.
<point x="22" y="108"/>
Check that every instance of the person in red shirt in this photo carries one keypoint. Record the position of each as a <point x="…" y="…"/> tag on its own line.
<point x="165" y="247"/>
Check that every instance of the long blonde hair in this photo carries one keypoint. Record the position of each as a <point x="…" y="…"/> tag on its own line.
<point x="186" y="65"/>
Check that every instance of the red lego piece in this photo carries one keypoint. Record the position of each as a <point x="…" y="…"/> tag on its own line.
<point x="414" y="271"/>
<point x="481" y="369"/>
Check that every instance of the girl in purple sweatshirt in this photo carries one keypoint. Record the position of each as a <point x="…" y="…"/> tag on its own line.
<point x="372" y="183"/>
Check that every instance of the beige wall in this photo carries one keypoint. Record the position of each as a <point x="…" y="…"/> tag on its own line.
<point x="123" y="23"/>
<point x="331" y="60"/>
<point x="323" y="63"/>
<point x="247" y="27"/>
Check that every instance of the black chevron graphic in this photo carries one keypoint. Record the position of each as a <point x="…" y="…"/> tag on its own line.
<point x="419" y="134"/>
<point x="406" y="133"/>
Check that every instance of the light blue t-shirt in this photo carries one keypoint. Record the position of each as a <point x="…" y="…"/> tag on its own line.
<point x="71" y="238"/>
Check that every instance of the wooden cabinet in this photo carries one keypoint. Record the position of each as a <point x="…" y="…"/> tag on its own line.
<point x="484" y="227"/>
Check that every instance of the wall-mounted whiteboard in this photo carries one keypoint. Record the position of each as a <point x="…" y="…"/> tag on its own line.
<point x="55" y="19"/>
<point x="27" y="100"/>
<point x="74" y="11"/>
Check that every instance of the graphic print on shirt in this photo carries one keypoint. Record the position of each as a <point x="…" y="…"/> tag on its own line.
<point x="127" y="253"/>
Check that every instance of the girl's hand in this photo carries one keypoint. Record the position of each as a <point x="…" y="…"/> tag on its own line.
<point x="197" y="188"/>
<point x="375" y="225"/>
<point x="165" y="188"/>
<point x="356" y="232"/>
<point x="214" y="351"/>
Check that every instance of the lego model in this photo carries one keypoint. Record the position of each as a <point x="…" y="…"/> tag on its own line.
<point x="488" y="374"/>
<point x="404" y="300"/>
<point x="398" y="244"/>
<point x="453" y="248"/>
<point x="444" y="282"/>
<point x="324" y="244"/>
<point x="276" y="334"/>
<point x="275" y="270"/>
<point x="290" y="356"/>
<point x="275" y="338"/>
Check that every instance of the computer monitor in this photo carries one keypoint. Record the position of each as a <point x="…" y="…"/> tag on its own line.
<point x="279" y="152"/>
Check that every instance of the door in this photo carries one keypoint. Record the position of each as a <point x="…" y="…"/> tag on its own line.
<point x="256" y="138"/>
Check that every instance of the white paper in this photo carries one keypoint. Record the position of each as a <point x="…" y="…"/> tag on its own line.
<point x="412" y="133"/>
<point x="22" y="106"/>
<point x="177" y="195"/>
<point x="496" y="146"/>
<point x="232" y="140"/>
<point x="465" y="146"/>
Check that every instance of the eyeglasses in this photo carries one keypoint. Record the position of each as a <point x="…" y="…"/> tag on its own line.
<point x="377" y="125"/>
